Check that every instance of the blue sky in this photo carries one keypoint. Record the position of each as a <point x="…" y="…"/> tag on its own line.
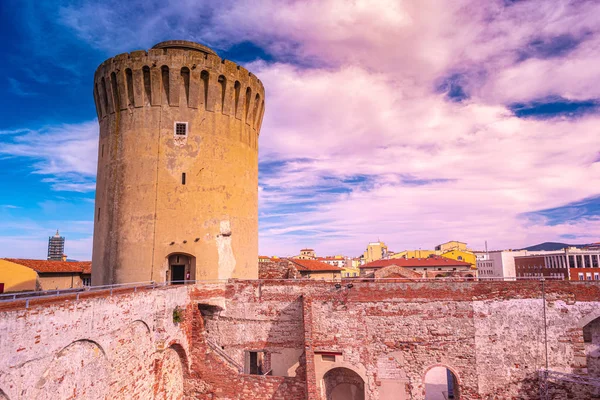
<point x="474" y="121"/>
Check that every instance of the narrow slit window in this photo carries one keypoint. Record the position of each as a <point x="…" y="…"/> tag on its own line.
<point x="181" y="128"/>
<point x="183" y="178"/>
<point x="129" y="79"/>
<point x="102" y="156"/>
<point x="98" y="214"/>
<point x="256" y="363"/>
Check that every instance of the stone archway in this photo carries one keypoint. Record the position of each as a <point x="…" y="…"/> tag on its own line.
<point x="343" y="384"/>
<point x="441" y="383"/>
<point x="591" y="340"/>
<point x="180" y="267"/>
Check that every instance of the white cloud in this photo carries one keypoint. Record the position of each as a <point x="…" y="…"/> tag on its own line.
<point x="481" y="166"/>
<point x="65" y="154"/>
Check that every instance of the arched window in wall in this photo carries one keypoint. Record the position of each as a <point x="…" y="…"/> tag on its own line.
<point x="165" y="84"/>
<point x="103" y="94"/>
<point x="591" y="340"/>
<point x="129" y="81"/>
<point x="247" y="106"/>
<point x="115" y="91"/>
<point x="147" y="86"/>
<point x="204" y="76"/>
<point x="441" y="383"/>
<point x="223" y="83"/>
<point x="237" y="88"/>
<point x="185" y="80"/>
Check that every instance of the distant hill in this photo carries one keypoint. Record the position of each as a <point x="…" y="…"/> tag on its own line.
<point x="551" y="246"/>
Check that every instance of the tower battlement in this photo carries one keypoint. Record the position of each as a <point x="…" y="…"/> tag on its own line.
<point x="178" y="74"/>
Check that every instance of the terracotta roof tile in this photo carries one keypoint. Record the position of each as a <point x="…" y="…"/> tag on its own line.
<point x="314" y="266"/>
<point x="47" y="266"/>
<point x="417" y="262"/>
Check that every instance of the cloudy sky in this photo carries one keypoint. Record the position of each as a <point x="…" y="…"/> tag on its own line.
<point x="410" y="121"/>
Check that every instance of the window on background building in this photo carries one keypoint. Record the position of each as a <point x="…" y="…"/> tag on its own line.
<point x="580" y="261"/>
<point x="594" y="261"/>
<point x="87" y="281"/>
<point x="572" y="262"/>
<point x="588" y="276"/>
<point x="596" y="276"/>
<point x="580" y="276"/>
<point x="588" y="261"/>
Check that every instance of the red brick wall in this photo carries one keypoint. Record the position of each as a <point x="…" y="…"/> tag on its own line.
<point x="491" y="334"/>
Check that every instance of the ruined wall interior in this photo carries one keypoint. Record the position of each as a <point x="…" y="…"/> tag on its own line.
<point x="373" y="341"/>
<point x="150" y="175"/>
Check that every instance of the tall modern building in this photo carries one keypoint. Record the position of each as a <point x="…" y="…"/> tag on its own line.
<point x="56" y="247"/>
<point x="177" y="186"/>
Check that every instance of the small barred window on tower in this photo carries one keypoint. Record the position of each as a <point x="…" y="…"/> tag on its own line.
<point x="181" y="128"/>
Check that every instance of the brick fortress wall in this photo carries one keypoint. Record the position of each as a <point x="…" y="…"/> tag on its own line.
<point x="386" y="334"/>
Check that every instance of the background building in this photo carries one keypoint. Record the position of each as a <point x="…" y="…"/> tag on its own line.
<point x="177" y="182"/>
<point x="550" y="265"/>
<point x="17" y="278"/>
<point x="375" y="251"/>
<point x="313" y="269"/>
<point x="583" y="264"/>
<point x="571" y="263"/>
<point x="56" y="247"/>
<point x="430" y="267"/>
<point x="451" y="245"/>
<point x="306" y="254"/>
<point x="25" y="274"/>
<point x="454" y="250"/>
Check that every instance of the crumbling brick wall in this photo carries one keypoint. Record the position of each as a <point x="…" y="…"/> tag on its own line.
<point x="282" y="269"/>
<point x="489" y="334"/>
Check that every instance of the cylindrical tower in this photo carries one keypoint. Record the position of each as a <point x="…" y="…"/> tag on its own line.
<point x="177" y="181"/>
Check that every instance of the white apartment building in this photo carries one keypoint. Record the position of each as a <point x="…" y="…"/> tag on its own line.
<point x="500" y="263"/>
<point x="581" y="264"/>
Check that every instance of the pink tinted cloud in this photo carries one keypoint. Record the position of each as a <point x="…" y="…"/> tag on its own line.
<point x="370" y="105"/>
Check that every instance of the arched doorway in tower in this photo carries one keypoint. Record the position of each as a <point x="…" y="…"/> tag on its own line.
<point x="181" y="267"/>
<point x="343" y="384"/>
<point x="440" y="384"/>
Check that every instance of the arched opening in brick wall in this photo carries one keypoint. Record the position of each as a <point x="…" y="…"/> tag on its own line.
<point x="591" y="339"/>
<point x="171" y="374"/>
<point x="441" y="384"/>
<point x="181" y="267"/>
<point x="343" y="384"/>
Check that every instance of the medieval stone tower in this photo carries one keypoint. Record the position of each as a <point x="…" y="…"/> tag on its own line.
<point x="177" y="183"/>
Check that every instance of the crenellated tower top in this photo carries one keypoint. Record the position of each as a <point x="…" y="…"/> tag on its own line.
<point x="178" y="73"/>
<point x="184" y="45"/>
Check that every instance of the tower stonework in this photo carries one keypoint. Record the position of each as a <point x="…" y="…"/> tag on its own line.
<point x="177" y="181"/>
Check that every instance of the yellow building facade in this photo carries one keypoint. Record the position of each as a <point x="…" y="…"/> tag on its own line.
<point x="17" y="278"/>
<point x="453" y="250"/>
<point x="375" y="251"/>
<point x="460" y="255"/>
<point x="451" y="245"/>
<point x="414" y="254"/>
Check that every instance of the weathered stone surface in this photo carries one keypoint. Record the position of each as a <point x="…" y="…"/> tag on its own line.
<point x="146" y="210"/>
<point x="383" y="337"/>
